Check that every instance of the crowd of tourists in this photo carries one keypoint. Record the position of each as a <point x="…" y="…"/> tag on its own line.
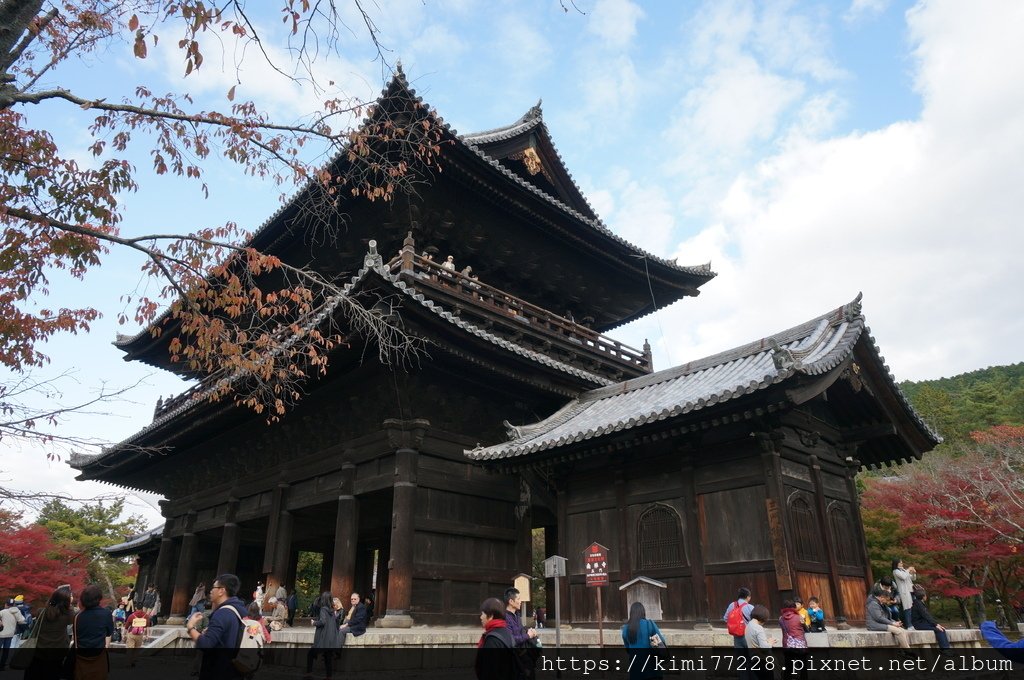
<point x="66" y="638"/>
<point x="218" y="633"/>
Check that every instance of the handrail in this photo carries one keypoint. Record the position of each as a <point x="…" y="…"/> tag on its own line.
<point x="521" y="310"/>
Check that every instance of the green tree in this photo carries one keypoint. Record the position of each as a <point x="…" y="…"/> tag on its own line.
<point x="86" y="530"/>
<point x="938" y="409"/>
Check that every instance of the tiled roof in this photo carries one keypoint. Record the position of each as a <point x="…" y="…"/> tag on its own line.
<point x="532" y="118"/>
<point x="812" y="348"/>
<point x="135" y="542"/>
<point x="373" y="263"/>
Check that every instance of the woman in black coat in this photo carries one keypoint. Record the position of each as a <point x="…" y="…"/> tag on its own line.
<point x="495" y="655"/>
<point x="326" y="639"/>
<point x="922" y="619"/>
<point x="52" y="645"/>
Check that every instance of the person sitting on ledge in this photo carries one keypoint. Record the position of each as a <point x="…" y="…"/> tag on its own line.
<point x="878" y="619"/>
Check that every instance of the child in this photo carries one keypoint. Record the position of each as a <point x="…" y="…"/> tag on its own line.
<point x="816" y="616"/>
<point x="805" y="618"/>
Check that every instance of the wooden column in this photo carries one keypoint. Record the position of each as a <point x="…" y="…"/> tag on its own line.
<point x="524" y="535"/>
<point x="279" y="541"/>
<point x="162" y="570"/>
<point x="562" y="503"/>
<point x="775" y="504"/>
<point x="185" y="573"/>
<point x="852" y="466"/>
<point x="346" y="535"/>
<point x="273" y="520"/>
<point x="405" y="436"/>
<point x="282" y="553"/>
<point x="826" y="534"/>
<point x="694" y="549"/>
<point x="227" y="561"/>
<point x="627" y="534"/>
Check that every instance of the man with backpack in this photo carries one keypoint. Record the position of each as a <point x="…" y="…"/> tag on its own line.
<point x="737" y="616"/>
<point x="221" y="640"/>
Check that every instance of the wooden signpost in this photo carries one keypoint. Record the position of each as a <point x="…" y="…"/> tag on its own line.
<point x="595" y="563"/>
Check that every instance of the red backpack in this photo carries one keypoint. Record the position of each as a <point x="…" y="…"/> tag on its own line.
<point x="736" y="622"/>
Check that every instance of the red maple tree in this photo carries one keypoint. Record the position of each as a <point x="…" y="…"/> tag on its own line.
<point x="32" y="565"/>
<point x="963" y="514"/>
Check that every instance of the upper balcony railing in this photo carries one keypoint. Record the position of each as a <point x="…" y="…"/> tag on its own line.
<point x="500" y="307"/>
<point x="501" y="304"/>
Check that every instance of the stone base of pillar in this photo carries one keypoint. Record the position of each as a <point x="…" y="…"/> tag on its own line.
<point x="174" y="621"/>
<point x="395" y="620"/>
<point x="841" y="623"/>
<point x="703" y="625"/>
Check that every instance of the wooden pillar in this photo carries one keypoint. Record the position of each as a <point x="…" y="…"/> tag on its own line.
<point x="346" y="535"/>
<point x="826" y="534"/>
<point x="405" y="436"/>
<point x="524" y="535"/>
<point x="162" y="576"/>
<point x="627" y="534"/>
<point x="227" y="561"/>
<point x="775" y="504"/>
<point x="184" y="575"/>
<point x="407" y="253"/>
<point x="694" y="549"/>
<point x="279" y="541"/>
<point x="562" y="509"/>
<point x="852" y="466"/>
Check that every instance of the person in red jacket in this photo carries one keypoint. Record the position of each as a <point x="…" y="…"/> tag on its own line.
<point x="792" y="625"/>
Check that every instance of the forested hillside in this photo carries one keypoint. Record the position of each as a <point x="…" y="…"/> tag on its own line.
<point x="971" y="401"/>
<point x="958" y="514"/>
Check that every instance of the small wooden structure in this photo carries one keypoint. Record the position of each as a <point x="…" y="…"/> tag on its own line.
<point x="647" y="592"/>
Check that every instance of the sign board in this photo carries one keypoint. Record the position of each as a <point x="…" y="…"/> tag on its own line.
<point x="554" y="567"/>
<point x="595" y="564"/>
<point x="522" y="584"/>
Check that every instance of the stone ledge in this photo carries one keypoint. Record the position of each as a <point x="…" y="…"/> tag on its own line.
<point x="427" y="637"/>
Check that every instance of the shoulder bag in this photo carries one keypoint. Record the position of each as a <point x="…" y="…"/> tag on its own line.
<point x="24" y="654"/>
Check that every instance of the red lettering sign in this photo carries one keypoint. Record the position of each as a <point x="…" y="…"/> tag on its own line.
<point x="595" y="564"/>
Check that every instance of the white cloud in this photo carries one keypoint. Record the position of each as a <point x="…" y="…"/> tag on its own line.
<point x="922" y="216"/>
<point x="864" y="9"/>
<point x="614" y="22"/>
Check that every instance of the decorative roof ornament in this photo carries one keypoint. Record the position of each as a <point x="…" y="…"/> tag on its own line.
<point x="781" y="357"/>
<point x="372" y="258"/>
<point x="532" y="161"/>
<point x="535" y="111"/>
<point x="511" y="431"/>
<point x="852" y="310"/>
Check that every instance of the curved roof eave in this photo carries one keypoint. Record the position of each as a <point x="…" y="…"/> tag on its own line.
<point x="812" y="348"/>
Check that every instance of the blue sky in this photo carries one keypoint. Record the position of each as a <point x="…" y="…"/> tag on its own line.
<point x="809" y="151"/>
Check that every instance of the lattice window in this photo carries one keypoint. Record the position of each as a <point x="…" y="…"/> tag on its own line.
<point x="843" y="535"/>
<point x="660" y="539"/>
<point x="807" y="541"/>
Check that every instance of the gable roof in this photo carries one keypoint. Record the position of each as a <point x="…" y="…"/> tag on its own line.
<point x="811" y="349"/>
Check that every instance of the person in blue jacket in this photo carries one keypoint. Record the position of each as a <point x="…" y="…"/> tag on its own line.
<point x="219" y="641"/>
<point x="1014" y="651"/>
<point x="638" y="636"/>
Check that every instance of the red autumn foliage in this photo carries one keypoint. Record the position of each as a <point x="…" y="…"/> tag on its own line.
<point x="964" y="514"/>
<point x="31" y="564"/>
